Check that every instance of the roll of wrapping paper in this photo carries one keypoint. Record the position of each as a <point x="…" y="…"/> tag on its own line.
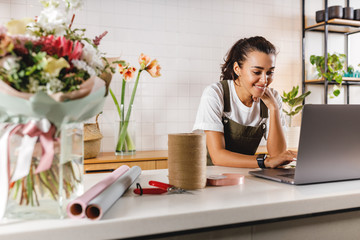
<point x="101" y="204"/>
<point x="76" y="208"/>
<point x="187" y="160"/>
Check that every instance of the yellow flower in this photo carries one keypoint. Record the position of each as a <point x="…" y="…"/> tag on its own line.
<point x="54" y="66"/>
<point x="6" y="45"/>
<point x="18" y="26"/>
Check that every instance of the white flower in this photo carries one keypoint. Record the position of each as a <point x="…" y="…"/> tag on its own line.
<point x="10" y="64"/>
<point x="79" y="64"/>
<point x="50" y="3"/>
<point x="53" y="19"/>
<point x="54" y="85"/>
<point x="92" y="56"/>
<point x="74" y="4"/>
<point x="34" y="86"/>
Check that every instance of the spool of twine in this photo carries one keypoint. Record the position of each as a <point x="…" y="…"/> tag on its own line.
<point x="187" y="160"/>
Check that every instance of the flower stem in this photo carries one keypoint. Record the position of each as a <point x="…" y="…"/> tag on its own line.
<point x="123" y="132"/>
<point x="116" y="102"/>
<point x="122" y="101"/>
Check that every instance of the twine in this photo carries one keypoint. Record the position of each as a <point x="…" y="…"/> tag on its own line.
<point x="187" y="160"/>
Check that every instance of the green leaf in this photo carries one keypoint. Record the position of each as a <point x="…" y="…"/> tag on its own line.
<point x="286" y="112"/>
<point x="338" y="79"/>
<point x="336" y="92"/>
<point x="298" y="109"/>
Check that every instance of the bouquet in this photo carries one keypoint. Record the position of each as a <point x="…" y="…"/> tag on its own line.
<point x="51" y="78"/>
<point x="125" y="143"/>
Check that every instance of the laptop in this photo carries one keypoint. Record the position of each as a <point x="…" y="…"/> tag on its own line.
<point x="329" y="147"/>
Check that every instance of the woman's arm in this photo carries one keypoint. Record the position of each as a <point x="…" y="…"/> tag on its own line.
<point x="276" y="143"/>
<point x="215" y="142"/>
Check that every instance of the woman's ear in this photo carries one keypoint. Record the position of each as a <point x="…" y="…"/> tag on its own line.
<point x="236" y="69"/>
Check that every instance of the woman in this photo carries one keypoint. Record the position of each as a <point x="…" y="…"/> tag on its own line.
<point x="238" y="111"/>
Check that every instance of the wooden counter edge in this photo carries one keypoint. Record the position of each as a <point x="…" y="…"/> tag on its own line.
<point x="110" y="157"/>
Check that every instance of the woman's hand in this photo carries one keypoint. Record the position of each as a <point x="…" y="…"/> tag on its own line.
<point x="281" y="159"/>
<point x="268" y="98"/>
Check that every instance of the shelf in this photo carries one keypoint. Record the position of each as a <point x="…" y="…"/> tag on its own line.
<point x="337" y="25"/>
<point x="345" y="80"/>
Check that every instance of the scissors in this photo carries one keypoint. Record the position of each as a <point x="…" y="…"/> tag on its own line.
<point x="160" y="188"/>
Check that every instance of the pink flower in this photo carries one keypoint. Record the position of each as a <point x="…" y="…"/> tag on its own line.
<point x="154" y="68"/>
<point x="129" y="73"/>
<point x="61" y="47"/>
<point x="143" y="60"/>
<point x="97" y="39"/>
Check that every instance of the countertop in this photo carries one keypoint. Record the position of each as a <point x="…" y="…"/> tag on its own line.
<point x="132" y="215"/>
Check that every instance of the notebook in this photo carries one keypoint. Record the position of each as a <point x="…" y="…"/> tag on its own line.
<point x="329" y="147"/>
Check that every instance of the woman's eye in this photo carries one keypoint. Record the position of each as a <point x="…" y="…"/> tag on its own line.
<point x="269" y="73"/>
<point x="257" y="73"/>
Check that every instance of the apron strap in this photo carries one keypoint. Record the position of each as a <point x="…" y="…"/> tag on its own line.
<point x="263" y="110"/>
<point x="225" y="87"/>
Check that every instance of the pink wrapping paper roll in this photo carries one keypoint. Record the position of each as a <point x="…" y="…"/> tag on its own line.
<point x="98" y="206"/>
<point x="76" y="208"/>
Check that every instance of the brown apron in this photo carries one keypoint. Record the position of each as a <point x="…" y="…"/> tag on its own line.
<point x="239" y="138"/>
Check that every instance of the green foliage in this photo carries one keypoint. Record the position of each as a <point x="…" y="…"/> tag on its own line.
<point x="335" y="65"/>
<point x="293" y="102"/>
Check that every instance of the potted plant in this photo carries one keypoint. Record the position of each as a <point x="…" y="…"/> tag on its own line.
<point x="294" y="106"/>
<point x="335" y="69"/>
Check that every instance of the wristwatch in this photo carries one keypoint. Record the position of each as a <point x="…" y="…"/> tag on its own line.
<point x="260" y="158"/>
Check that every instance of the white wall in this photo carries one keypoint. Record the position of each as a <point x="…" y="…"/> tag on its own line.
<point x="189" y="38"/>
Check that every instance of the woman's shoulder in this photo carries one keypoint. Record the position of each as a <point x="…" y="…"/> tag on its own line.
<point x="214" y="90"/>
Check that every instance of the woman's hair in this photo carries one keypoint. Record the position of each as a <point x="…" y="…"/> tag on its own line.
<point x="238" y="53"/>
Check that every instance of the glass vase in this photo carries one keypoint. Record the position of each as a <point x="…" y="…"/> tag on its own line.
<point x="125" y="132"/>
<point x="46" y="194"/>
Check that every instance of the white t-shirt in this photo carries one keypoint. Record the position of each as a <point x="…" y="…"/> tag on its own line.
<point x="211" y="110"/>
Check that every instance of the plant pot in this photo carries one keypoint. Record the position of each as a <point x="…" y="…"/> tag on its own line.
<point x="348" y="13"/>
<point x="292" y="137"/>
<point x="357" y="14"/>
<point x="320" y="16"/>
<point x="335" y="12"/>
<point x="46" y="194"/>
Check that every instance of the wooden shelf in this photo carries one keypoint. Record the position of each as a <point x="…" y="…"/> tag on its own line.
<point x="345" y="79"/>
<point x="337" y="25"/>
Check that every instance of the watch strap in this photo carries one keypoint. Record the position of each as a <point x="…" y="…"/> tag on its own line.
<point x="260" y="158"/>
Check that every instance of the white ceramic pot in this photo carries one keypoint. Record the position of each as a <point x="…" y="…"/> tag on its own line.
<point x="292" y="137"/>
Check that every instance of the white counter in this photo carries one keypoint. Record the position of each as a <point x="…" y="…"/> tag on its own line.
<point x="132" y="215"/>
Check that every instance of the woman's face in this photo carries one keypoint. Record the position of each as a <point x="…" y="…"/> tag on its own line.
<point x="256" y="72"/>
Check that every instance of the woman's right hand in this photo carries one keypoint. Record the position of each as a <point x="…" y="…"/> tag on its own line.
<point x="281" y="159"/>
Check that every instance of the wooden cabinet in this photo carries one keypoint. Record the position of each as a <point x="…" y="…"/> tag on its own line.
<point x="108" y="161"/>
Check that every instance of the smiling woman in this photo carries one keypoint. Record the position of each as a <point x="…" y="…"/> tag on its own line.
<point x="238" y="111"/>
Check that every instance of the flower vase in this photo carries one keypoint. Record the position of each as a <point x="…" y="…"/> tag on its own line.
<point x="46" y="194"/>
<point x="125" y="132"/>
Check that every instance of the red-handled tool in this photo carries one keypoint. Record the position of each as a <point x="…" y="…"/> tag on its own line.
<point x="169" y="188"/>
<point x="160" y="188"/>
<point x="149" y="191"/>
